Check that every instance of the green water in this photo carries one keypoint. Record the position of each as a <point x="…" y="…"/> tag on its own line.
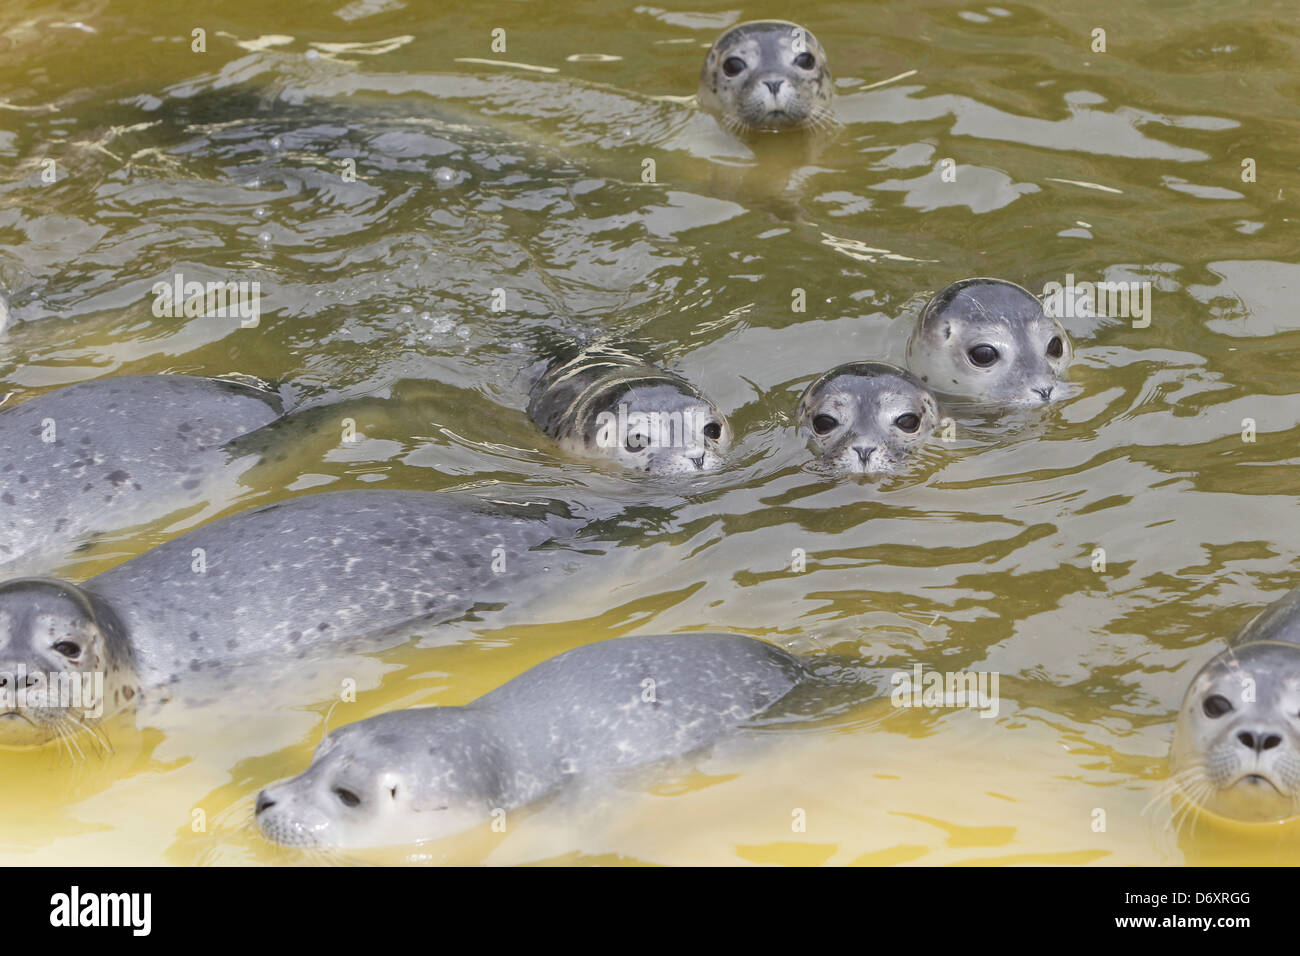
<point x="1118" y="165"/>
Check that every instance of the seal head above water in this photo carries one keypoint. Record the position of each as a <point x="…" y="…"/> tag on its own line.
<point x="1236" y="747"/>
<point x="991" y="341"/>
<point x="867" y="417"/>
<point x="606" y="403"/>
<point x="766" y="76"/>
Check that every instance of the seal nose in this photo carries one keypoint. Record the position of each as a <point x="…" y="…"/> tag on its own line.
<point x="263" y="803"/>
<point x="10" y="672"/>
<point x="864" y="452"/>
<point x="1258" y="740"/>
<point x="1045" y="393"/>
<point x="699" y="461"/>
<point x="773" y="85"/>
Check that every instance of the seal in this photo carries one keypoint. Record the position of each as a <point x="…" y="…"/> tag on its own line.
<point x="766" y="76"/>
<point x="990" y="340"/>
<point x="426" y="773"/>
<point x="606" y="403"/>
<point x="865" y="417"/>
<point x="1236" y="746"/>
<point x="113" y="452"/>
<point x="336" y="571"/>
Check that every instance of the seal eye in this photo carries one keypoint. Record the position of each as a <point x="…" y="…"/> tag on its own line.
<point x="713" y="430"/>
<point x="733" y="66"/>
<point x="805" y="61"/>
<point x="908" y="422"/>
<point x="983" y="355"/>
<point x="1055" y="348"/>
<point x="67" y="648"/>
<point x="347" y="797"/>
<point x="823" y="423"/>
<point x="636" y="443"/>
<point x="1216" y="705"/>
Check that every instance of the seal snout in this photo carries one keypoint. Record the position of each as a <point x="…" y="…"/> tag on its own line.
<point x="264" y="803"/>
<point x="1258" y="741"/>
<point x="1044" y="392"/>
<point x="864" y="453"/>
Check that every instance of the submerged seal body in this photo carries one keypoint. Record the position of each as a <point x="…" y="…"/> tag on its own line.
<point x="865" y="417"/>
<point x="766" y="75"/>
<point x="420" y="774"/>
<point x="990" y="340"/>
<point x="109" y="453"/>
<point x="606" y="403"/>
<point x="269" y="584"/>
<point x="1236" y="747"/>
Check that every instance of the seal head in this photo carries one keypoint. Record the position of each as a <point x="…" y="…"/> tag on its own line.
<point x="606" y="403"/>
<point x="990" y="340"/>
<point x="65" y="664"/>
<point x="766" y="75"/>
<point x="1236" y="749"/>
<point x="370" y="780"/>
<point x="867" y="417"/>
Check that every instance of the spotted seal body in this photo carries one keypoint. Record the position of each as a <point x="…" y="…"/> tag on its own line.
<point x="865" y="417"/>
<point x="1236" y="747"/>
<point x="766" y="75"/>
<point x="990" y="340"/>
<point x="109" y="453"/>
<point x="269" y="584"/>
<point x="605" y="403"/>
<point x="420" y="774"/>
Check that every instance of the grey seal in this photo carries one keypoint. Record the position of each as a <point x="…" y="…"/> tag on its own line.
<point x="603" y="402"/>
<point x="412" y="775"/>
<point x="766" y="75"/>
<point x="864" y="417"/>
<point x="1236" y="746"/>
<point x="990" y="340"/>
<point x="116" y="451"/>
<point x="269" y="584"/>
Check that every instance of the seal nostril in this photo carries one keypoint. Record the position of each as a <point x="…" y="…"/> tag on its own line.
<point x="864" y="452"/>
<point x="263" y="803"/>
<point x="773" y="85"/>
<point x="699" y="462"/>
<point x="1259" y="742"/>
<point x="1044" y="393"/>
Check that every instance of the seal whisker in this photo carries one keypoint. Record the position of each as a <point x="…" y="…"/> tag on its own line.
<point x="97" y="734"/>
<point x="69" y="737"/>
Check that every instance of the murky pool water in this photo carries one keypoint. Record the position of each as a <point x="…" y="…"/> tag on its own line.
<point x="1093" y="555"/>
